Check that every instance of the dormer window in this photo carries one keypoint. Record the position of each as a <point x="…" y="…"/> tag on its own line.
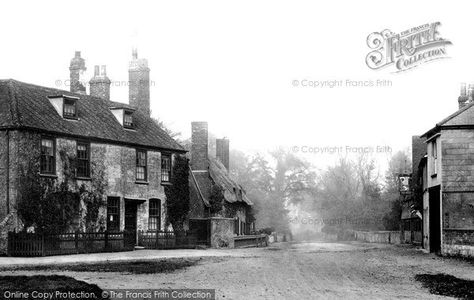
<point x="124" y="115"/>
<point x="128" y="119"/>
<point x="70" y="109"/>
<point x="66" y="106"/>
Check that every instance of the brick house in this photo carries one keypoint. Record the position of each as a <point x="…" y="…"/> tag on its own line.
<point x="447" y="180"/>
<point x="207" y="173"/>
<point x="119" y="140"/>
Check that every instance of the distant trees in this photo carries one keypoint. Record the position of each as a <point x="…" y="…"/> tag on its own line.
<point x="400" y="163"/>
<point x="350" y="194"/>
<point x="273" y="182"/>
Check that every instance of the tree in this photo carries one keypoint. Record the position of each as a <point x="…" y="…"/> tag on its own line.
<point x="274" y="182"/>
<point x="173" y="134"/>
<point x="400" y="163"/>
<point x="177" y="194"/>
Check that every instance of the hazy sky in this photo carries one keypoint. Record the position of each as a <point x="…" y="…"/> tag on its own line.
<point x="233" y="64"/>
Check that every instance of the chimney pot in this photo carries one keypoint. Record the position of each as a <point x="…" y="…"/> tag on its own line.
<point x="103" y="71"/>
<point x="76" y="71"/>
<point x="470" y="92"/>
<point x="100" y="83"/>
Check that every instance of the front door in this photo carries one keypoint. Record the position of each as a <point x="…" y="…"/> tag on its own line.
<point x="435" y="219"/>
<point x="131" y="221"/>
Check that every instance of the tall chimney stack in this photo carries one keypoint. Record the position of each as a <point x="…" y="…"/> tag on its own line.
<point x="470" y="92"/>
<point x="463" y="97"/>
<point x="139" y="83"/>
<point x="100" y="83"/>
<point x="199" y="146"/>
<point x="222" y="152"/>
<point x="76" y="69"/>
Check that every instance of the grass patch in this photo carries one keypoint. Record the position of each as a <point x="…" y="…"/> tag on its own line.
<point x="447" y="285"/>
<point x="47" y="284"/>
<point x="134" y="267"/>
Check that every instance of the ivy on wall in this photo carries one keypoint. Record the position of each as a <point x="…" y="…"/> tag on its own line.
<point x="177" y="194"/>
<point x="216" y="199"/>
<point x="50" y="206"/>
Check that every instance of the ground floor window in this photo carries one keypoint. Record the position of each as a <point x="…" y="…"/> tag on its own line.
<point x="154" y="215"/>
<point x="113" y="213"/>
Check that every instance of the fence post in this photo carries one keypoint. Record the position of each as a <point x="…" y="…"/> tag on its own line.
<point x="10" y="243"/>
<point x="106" y="237"/>
<point x="42" y="245"/>
<point x="76" y="240"/>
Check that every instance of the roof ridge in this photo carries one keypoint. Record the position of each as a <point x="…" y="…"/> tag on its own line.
<point x="455" y="114"/>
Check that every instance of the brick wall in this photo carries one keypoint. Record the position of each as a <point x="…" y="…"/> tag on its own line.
<point x="457" y="160"/>
<point x="117" y="162"/>
<point x="199" y="146"/>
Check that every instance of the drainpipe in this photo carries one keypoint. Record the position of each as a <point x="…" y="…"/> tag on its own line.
<point x="8" y="172"/>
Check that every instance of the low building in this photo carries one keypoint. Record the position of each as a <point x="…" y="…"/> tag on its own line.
<point x="448" y="176"/>
<point x="115" y="143"/>
<point x="210" y="180"/>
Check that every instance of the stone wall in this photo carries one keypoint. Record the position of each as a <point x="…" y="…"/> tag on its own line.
<point x="385" y="237"/>
<point x="457" y="250"/>
<point x="222" y="233"/>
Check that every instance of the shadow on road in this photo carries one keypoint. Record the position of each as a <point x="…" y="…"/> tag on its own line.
<point x="447" y="285"/>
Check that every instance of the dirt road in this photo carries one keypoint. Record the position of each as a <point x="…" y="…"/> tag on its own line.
<point x="298" y="271"/>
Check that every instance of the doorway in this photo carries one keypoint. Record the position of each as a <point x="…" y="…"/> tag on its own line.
<point x="131" y="222"/>
<point x="435" y="219"/>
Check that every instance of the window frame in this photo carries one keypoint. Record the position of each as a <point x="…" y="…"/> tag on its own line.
<point x="434" y="157"/>
<point x="137" y="165"/>
<point x="53" y="171"/>
<point x="169" y="156"/>
<point x="116" y="222"/>
<point x="155" y="216"/>
<point x="130" y="113"/>
<point x="68" y="116"/>
<point x="88" y="159"/>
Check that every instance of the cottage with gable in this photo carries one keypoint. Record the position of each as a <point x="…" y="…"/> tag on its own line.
<point x="214" y="193"/>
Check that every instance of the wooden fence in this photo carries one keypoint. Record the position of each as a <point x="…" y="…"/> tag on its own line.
<point x="37" y="244"/>
<point x="167" y="240"/>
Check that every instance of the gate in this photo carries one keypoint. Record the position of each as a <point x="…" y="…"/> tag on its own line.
<point x="201" y="228"/>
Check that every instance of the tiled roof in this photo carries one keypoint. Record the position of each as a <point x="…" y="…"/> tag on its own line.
<point x="462" y="117"/>
<point x="24" y="105"/>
